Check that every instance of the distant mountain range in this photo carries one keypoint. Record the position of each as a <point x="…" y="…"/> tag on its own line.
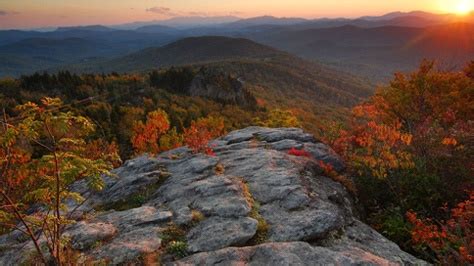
<point x="414" y="19"/>
<point x="180" y="22"/>
<point x="372" y="47"/>
<point x="183" y="52"/>
<point x="377" y="52"/>
<point x="86" y="28"/>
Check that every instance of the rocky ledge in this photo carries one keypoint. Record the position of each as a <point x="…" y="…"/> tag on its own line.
<point x="251" y="203"/>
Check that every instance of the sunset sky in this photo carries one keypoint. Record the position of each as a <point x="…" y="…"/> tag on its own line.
<point x="44" y="13"/>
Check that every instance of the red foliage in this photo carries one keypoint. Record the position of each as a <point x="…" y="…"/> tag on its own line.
<point x="453" y="240"/>
<point x="327" y="168"/>
<point x="300" y="153"/>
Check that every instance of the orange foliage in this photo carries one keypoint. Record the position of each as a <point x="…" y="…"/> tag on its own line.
<point x="155" y="135"/>
<point x="374" y="143"/>
<point x="14" y="177"/>
<point x="198" y="135"/>
<point x="100" y="149"/>
<point x="423" y="113"/>
<point x="146" y="136"/>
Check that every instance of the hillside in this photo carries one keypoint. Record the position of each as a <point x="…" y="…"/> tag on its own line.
<point x="250" y="203"/>
<point x="15" y="65"/>
<point x="314" y="93"/>
<point x="70" y="45"/>
<point x="64" y="49"/>
<point x="283" y="81"/>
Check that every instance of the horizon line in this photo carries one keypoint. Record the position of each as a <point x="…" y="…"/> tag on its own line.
<point x="238" y="18"/>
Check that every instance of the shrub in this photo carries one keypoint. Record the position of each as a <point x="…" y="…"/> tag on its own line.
<point x="452" y="241"/>
<point x="178" y="248"/>
<point x="281" y="118"/>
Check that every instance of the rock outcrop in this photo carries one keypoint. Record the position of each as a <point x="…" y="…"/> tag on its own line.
<point x="251" y="203"/>
<point x="221" y="87"/>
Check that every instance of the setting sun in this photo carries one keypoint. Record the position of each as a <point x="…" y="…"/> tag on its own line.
<point x="464" y="6"/>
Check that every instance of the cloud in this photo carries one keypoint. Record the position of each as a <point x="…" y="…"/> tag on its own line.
<point x="164" y="11"/>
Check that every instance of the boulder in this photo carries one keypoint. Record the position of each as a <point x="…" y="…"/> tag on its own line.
<point x="250" y="203"/>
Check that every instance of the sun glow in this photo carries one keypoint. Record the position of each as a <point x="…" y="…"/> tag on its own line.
<point x="463" y="7"/>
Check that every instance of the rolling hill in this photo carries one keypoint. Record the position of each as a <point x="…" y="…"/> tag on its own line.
<point x="61" y="48"/>
<point x="70" y="45"/>
<point x="281" y="80"/>
<point x="182" y="52"/>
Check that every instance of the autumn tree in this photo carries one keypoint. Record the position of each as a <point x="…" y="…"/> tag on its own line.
<point x="410" y="146"/>
<point x="374" y="145"/>
<point x="198" y="135"/>
<point x="280" y="118"/>
<point x="146" y="136"/>
<point x="171" y="140"/>
<point x="42" y="152"/>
